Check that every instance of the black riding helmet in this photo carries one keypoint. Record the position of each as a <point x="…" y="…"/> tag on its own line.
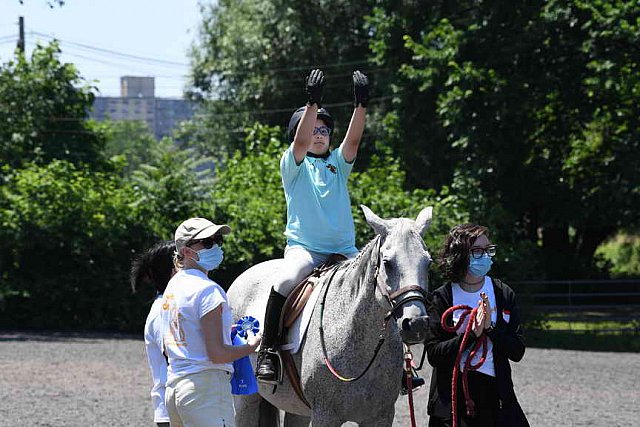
<point x="297" y="115"/>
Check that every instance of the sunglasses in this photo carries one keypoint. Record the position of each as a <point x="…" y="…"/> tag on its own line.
<point x="322" y="130"/>
<point x="477" y="253"/>
<point x="209" y="241"/>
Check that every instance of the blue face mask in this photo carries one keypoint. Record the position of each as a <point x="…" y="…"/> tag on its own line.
<point x="211" y="258"/>
<point x="480" y="266"/>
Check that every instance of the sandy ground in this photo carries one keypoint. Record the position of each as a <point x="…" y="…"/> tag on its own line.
<point x="102" y="380"/>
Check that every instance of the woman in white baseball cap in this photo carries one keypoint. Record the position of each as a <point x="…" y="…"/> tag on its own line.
<point x="197" y="321"/>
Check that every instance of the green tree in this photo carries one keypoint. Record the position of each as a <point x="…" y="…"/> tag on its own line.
<point x="132" y="140"/>
<point x="534" y="106"/>
<point x="176" y="184"/>
<point x="43" y="110"/>
<point x="251" y="58"/>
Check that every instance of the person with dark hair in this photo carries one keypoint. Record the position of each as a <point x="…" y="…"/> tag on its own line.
<point x="475" y="334"/>
<point x="319" y="220"/>
<point x="155" y="267"/>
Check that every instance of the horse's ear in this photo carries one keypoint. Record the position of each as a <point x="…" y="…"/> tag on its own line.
<point x="374" y="221"/>
<point x="424" y="219"/>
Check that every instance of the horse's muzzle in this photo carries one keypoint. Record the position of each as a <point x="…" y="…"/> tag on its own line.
<point x="414" y="329"/>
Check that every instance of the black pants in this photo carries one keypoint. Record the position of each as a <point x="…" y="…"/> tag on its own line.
<point x="484" y="393"/>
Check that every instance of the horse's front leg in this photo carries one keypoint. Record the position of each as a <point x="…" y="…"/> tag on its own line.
<point x="384" y="419"/>
<point x="294" y="420"/>
<point x="321" y="418"/>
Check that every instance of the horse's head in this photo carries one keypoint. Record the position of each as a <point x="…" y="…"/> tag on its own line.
<point x="403" y="271"/>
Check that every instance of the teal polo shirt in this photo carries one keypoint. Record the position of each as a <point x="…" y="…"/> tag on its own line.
<point x="318" y="204"/>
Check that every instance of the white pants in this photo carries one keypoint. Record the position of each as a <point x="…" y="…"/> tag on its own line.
<point x="298" y="264"/>
<point x="201" y="400"/>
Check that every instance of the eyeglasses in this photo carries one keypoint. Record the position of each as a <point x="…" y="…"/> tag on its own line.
<point x="209" y="241"/>
<point x="479" y="252"/>
<point x="322" y="130"/>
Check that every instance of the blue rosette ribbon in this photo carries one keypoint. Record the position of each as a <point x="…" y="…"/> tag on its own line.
<point x="247" y="324"/>
<point x="243" y="380"/>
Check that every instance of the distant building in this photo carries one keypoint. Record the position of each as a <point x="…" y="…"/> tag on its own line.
<point x="137" y="101"/>
<point x="137" y="87"/>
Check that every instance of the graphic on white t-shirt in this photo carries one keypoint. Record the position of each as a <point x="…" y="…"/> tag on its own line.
<point x="175" y="328"/>
<point x="175" y="334"/>
<point x="462" y="297"/>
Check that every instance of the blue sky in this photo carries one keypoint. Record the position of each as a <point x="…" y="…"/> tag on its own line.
<point x="161" y="30"/>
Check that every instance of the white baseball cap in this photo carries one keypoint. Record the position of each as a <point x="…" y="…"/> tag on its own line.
<point x="197" y="229"/>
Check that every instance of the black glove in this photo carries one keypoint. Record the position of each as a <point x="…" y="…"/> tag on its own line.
<point x="315" y="83"/>
<point x="360" y="89"/>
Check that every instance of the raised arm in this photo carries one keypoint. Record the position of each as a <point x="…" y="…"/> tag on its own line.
<point x="356" y="126"/>
<point x="304" y="133"/>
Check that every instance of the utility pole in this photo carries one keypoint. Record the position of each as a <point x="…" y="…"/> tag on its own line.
<point x="21" y="34"/>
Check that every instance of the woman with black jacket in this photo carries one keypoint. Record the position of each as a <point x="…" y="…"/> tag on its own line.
<point x="491" y="308"/>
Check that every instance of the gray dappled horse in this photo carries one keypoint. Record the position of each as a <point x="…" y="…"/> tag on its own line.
<point x="390" y="267"/>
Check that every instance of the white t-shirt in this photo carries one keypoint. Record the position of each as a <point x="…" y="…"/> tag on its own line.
<point x="460" y="296"/>
<point x="157" y="362"/>
<point x="190" y="295"/>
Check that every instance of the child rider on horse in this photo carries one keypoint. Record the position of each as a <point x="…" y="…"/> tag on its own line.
<point x="319" y="220"/>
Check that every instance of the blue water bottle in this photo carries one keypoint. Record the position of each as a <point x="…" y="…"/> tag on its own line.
<point x="243" y="380"/>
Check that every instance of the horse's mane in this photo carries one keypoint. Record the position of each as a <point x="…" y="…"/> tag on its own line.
<point x="360" y="270"/>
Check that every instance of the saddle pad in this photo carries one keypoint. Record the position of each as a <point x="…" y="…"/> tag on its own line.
<point x="298" y="330"/>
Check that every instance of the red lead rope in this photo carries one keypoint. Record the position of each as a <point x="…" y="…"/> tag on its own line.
<point x="482" y="341"/>
<point x="407" y="358"/>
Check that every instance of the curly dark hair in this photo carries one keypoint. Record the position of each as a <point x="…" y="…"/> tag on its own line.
<point x="153" y="266"/>
<point x="453" y="260"/>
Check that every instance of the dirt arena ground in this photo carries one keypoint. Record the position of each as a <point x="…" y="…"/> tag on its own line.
<point x="53" y="379"/>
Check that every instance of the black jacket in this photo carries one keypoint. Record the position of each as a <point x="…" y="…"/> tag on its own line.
<point x="442" y="349"/>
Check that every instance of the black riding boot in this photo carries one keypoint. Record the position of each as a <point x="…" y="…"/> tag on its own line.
<point x="267" y="366"/>
<point x="416" y="383"/>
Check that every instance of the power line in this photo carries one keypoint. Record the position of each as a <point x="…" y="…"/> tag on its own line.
<point x="222" y="73"/>
<point x="297" y="68"/>
<point x="154" y="62"/>
<point x="111" y="63"/>
<point x="251" y="112"/>
<point x="111" y="52"/>
<point x="157" y="76"/>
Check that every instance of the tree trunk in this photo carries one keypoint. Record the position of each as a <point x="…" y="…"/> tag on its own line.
<point x="590" y="239"/>
<point x="556" y="239"/>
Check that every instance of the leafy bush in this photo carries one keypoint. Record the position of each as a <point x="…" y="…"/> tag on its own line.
<point x="621" y="255"/>
<point x="66" y="240"/>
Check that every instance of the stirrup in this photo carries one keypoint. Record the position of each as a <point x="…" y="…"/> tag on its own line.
<point x="274" y="355"/>
<point x="416" y="384"/>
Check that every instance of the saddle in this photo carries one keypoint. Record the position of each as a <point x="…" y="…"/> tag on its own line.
<point x="293" y="307"/>
<point x="299" y="296"/>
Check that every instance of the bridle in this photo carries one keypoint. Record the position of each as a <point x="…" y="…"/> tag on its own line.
<point x="396" y="301"/>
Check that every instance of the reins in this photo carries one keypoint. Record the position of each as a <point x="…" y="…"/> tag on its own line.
<point x="408" y="293"/>
<point x="322" y="343"/>
<point x="468" y="366"/>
